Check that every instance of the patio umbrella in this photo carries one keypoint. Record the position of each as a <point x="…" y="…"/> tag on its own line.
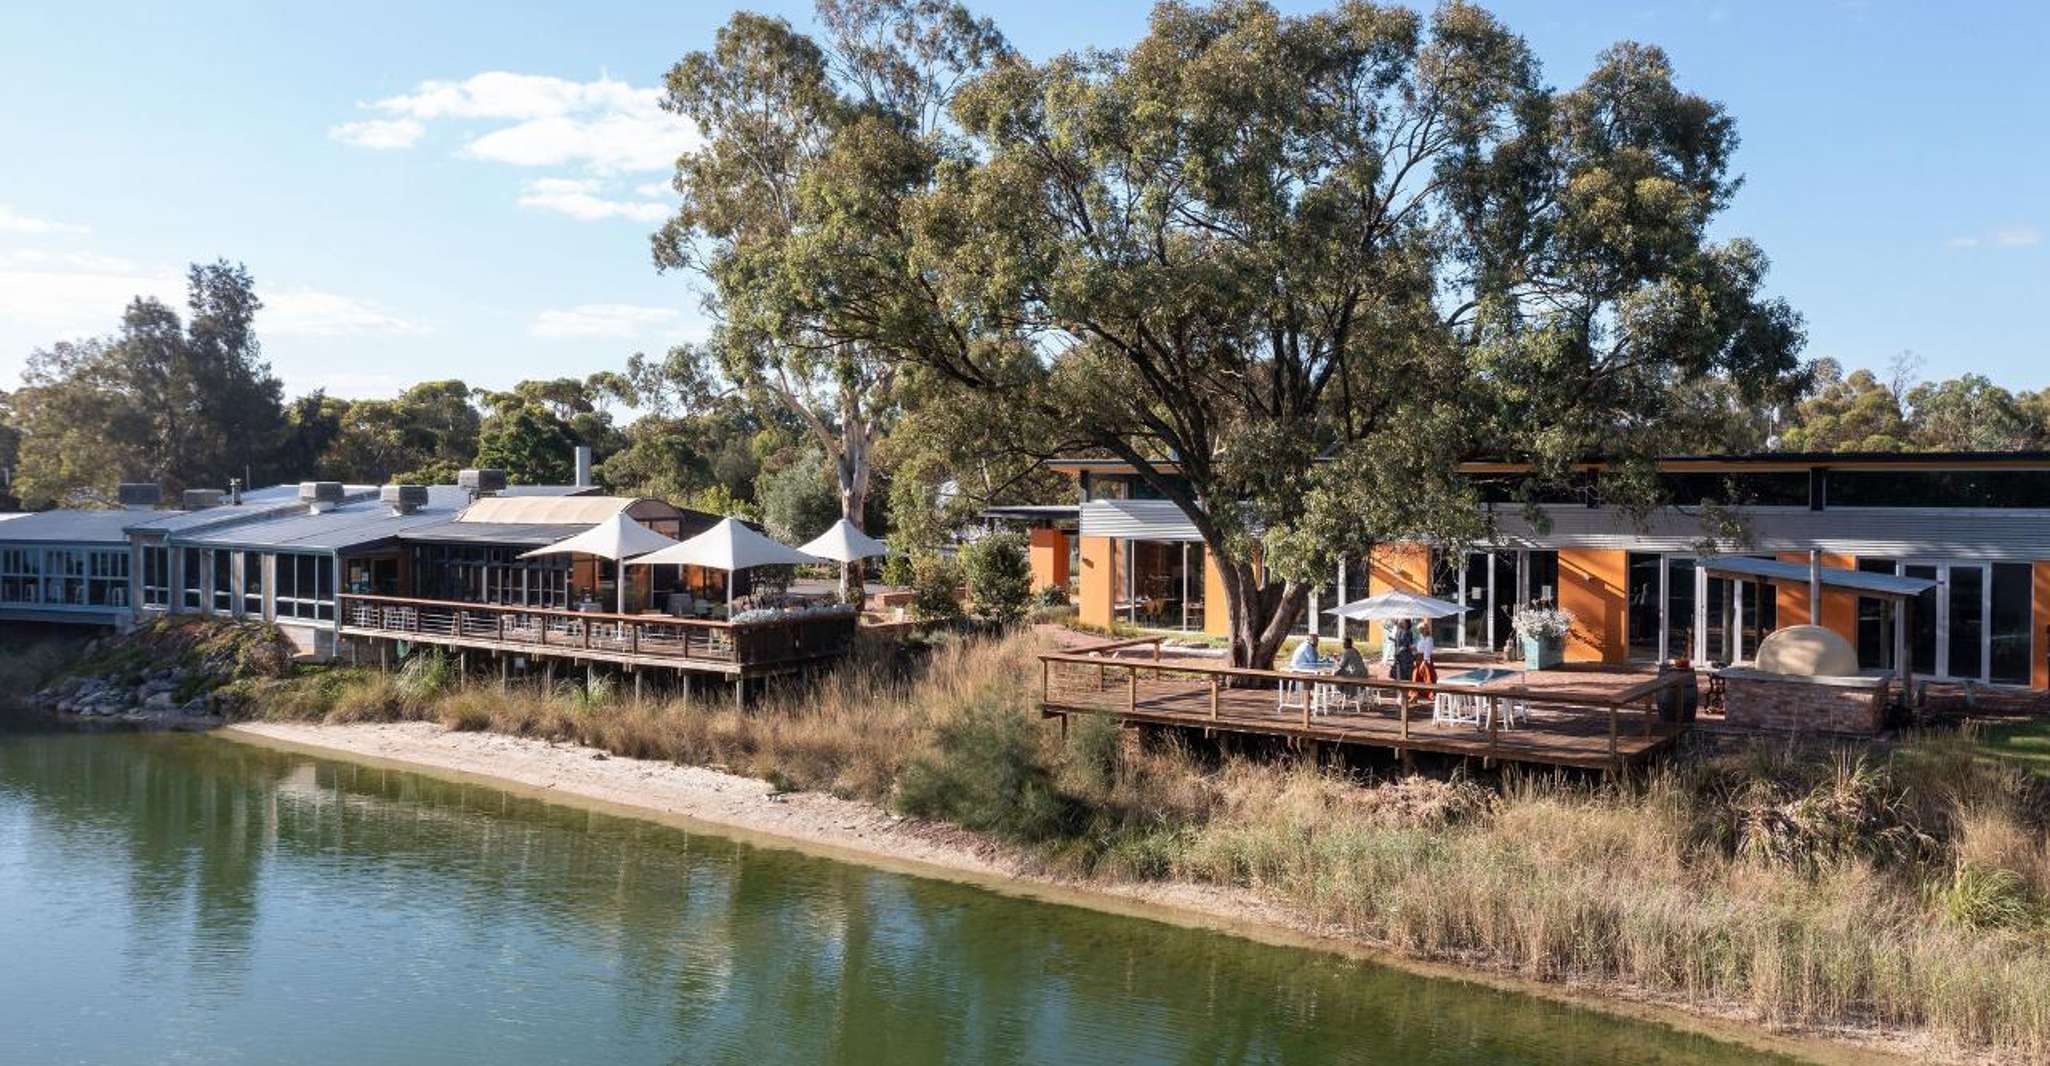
<point x="616" y="539"/>
<point x="731" y="545"/>
<point x="847" y="546"/>
<point x="1390" y="606"/>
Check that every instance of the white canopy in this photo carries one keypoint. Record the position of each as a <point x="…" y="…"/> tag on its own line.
<point x="1389" y="606"/>
<point x="730" y="545"/>
<point x="616" y="538"/>
<point x="843" y="544"/>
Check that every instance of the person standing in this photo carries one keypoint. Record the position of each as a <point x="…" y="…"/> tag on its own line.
<point x="1426" y="657"/>
<point x="1405" y="650"/>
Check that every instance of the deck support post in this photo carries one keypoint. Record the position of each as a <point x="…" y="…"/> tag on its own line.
<point x="1494" y="725"/>
<point x="1402" y="709"/>
<point x="1613" y="757"/>
<point x="384" y="656"/>
<point x="548" y="674"/>
<point x="1213" y="697"/>
<point x="637" y="686"/>
<point x="504" y="671"/>
<point x="739" y="693"/>
<point x="1131" y="689"/>
<point x="1064" y="729"/>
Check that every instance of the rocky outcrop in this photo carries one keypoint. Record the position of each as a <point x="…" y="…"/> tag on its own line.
<point x="162" y="693"/>
<point x="177" y="671"/>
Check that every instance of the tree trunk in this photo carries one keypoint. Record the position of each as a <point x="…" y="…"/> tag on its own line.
<point x="1261" y="613"/>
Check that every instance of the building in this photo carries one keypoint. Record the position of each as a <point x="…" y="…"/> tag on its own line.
<point x="66" y="567"/>
<point x="1050" y="538"/>
<point x="1977" y="524"/>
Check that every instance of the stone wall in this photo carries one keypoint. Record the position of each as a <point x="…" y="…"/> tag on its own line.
<point x="1777" y="703"/>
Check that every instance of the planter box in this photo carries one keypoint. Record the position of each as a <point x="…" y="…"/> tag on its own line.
<point x="1540" y="654"/>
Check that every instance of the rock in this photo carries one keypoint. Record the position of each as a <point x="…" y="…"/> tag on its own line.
<point x="599" y="756"/>
<point x="160" y="701"/>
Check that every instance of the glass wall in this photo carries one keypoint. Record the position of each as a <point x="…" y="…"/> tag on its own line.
<point x="1965" y="619"/>
<point x="252" y="584"/>
<point x="2012" y="660"/>
<point x="479" y="574"/>
<point x="1641" y="591"/>
<point x="305" y="587"/>
<point x="194" y="592"/>
<point x="1541" y="577"/>
<point x="1875" y="622"/>
<point x="1680" y="622"/>
<point x="224" y="573"/>
<point x="156" y="575"/>
<point x="64" y="577"/>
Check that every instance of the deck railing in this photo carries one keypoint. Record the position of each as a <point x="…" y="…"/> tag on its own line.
<point x="769" y="642"/>
<point x="1110" y="683"/>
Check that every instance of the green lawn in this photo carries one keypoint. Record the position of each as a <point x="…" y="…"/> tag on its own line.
<point x="2027" y="743"/>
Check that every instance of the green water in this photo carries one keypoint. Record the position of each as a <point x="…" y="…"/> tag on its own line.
<point x="191" y="899"/>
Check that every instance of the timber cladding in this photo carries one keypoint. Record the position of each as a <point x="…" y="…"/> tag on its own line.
<point x="1593" y="588"/>
<point x="1398" y="568"/>
<point x="1099" y="580"/>
<point x="2040" y="664"/>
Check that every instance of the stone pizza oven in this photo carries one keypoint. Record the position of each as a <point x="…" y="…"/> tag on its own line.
<point x="1805" y="680"/>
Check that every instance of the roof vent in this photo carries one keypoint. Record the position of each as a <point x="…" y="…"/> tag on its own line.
<point x="139" y="495"/>
<point x="201" y="499"/>
<point x="403" y="499"/>
<point x="320" y="496"/>
<point x="481" y="482"/>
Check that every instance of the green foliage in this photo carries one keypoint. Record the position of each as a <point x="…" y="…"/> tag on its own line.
<point x="799" y="501"/>
<point x="935" y="587"/>
<point x="985" y="771"/>
<point x="898" y="569"/>
<point x="1978" y="897"/>
<point x="185" y="402"/>
<point x="426" y="674"/>
<point x="1051" y="596"/>
<point x="530" y="443"/>
<point x="999" y="575"/>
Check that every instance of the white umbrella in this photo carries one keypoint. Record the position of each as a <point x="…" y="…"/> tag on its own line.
<point x="1389" y="606"/>
<point x="616" y="538"/>
<point x="844" y="544"/>
<point x="729" y="546"/>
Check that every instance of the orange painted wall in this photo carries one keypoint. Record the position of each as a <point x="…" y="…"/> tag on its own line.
<point x="1593" y="587"/>
<point x="1048" y="549"/>
<point x="1839" y="606"/>
<point x="1216" y="608"/>
<point x="1397" y="568"/>
<point x="1098" y="580"/>
<point x="2040" y="668"/>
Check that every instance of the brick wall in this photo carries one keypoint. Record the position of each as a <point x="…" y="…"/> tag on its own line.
<point x="1791" y="705"/>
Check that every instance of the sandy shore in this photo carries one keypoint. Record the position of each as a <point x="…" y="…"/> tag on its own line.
<point x="702" y="798"/>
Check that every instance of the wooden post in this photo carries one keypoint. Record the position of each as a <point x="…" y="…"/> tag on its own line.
<point x="1213" y="697"/>
<point x="1402" y="703"/>
<point x="384" y="656"/>
<point x="739" y="693"/>
<point x="1494" y="724"/>
<point x="501" y="627"/>
<point x="637" y="686"/>
<point x="1612" y="731"/>
<point x="1131" y="690"/>
<point x="504" y="671"/>
<point x="1650" y="711"/>
<point x="548" y="674"/>
<point x="1045" y="676"/>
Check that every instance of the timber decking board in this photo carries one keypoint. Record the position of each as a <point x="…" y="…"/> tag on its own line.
<point x="1558" y="736"/>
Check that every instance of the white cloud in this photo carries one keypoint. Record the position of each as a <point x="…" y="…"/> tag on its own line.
<point x="655" y="190"/>
<point x="11" y="222"/>
<point x="379" y="133"/>
<point x="583" y="199"/>
<point x="2019" y="236"/>
<point x="603" y="126"/>
<point x="314" y="313"/>
<point x="600" y="320"/>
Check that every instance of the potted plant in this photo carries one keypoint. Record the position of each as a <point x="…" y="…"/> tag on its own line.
<point x="1543" y="632"/>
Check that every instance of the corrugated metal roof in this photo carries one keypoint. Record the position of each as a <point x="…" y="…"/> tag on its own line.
<point x="349" y="526"/>
<point x="71" y="527"/>
<point x="558" y="510"/>
<point x="1832" y="576"/>
<point x="268" y="502"/>
<point x="551" y="490"/>
<point x="523" y="534"/>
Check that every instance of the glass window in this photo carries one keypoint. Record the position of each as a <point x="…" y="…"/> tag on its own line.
<point x="252" y="584"/>
<point x="1680" y="608"/>
<point x="1939" y="488"/>
<point x="2013" y="624"/>
<point x="1875" y="622"/>
<point x="156" y="575"/>
<point x="1541" y="576"/>
<point x="1967" y="622"/>
<point x="1641" y="590"/>
<point x="1777" y="488"/>
<point x="1922" y="622"/>
<point x="1445" y="632"/>
<point x="195" y="588"/>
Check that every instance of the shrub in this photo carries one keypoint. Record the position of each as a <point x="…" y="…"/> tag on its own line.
<point x="935" y="587"/>
<point x="984" y="771"/>
<point x="1051" y="596"/>
<point x="897" y="570"/>
<point x="999" y="576"/>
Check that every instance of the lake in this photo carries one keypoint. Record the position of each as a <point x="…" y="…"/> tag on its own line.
<point x="184" y="898"/>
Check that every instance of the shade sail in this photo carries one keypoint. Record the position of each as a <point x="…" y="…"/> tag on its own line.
<point x="730" y="545"/>
<point x="618" y="537"/>
<point x="843" y="544"/>
<point x="1389" y="606"/>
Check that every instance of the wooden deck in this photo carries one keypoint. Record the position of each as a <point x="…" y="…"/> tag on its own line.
<point x="731" y="650"/>
<point x="1597" y="719"/>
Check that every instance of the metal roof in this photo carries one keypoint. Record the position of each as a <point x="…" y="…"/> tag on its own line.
<point x="1773" y="570"/>
<point x="558" y="510"/>
<point x="269" y="502"/>
<point x="71" y="527"/>
<point x="551" y="490"/>
<point x="521" y="534"/>
<point x="350" y="525"/>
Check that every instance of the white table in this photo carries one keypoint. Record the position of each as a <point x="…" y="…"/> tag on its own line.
<point x="1463" y="709"/>
<point x="1309" y="695"/>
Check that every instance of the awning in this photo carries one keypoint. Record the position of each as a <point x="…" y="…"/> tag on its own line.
<point x="843" y="543"/>
<point x="618" y="537"/>
<point x="1863" y="582"/>
<point x="1389" y="606"/>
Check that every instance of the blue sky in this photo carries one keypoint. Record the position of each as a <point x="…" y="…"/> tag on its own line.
<point x="407" y="218"/>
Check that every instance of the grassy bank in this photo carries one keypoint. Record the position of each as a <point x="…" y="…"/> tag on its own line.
<point x="1906" y="891"/>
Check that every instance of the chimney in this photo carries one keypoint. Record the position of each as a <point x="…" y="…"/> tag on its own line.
<point x="139" y="495"/>
<point x="235" y="491"/>
<point x="583" y="466"/>
<point x="481" y="482"/>
<point x="403" y="499"/>
<point x="201" y="499"/>
<point x="320" y="497"/>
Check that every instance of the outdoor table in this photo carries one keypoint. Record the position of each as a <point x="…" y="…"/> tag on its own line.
<point x="1315" y="696"/>
<point x="1445" y="705"/>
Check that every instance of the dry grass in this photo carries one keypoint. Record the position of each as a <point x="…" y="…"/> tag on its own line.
<point x="1909" y="892"/>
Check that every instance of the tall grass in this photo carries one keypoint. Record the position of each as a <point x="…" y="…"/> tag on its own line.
<point x="1822" y="889"/>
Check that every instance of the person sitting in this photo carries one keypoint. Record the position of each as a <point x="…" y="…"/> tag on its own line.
<point x="1306" y="657"/>
<point x="1350" y="664"/>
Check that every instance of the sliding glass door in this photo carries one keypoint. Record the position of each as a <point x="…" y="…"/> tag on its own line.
<point x="1952" y="628"/>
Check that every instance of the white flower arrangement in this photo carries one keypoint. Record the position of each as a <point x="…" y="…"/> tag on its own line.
<point x="1535" y="622"/>
<point x="776" y="614"/>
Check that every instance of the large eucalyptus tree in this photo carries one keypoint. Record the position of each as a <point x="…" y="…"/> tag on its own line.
<point x="1291" y="268"/>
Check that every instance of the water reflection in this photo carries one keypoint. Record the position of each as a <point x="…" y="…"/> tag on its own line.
<point x="194" y="898"/>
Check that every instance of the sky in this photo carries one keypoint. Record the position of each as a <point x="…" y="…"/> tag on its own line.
<point x="466" y="190"/>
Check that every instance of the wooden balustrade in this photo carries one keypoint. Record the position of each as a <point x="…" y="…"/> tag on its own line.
<point x="593" y="634"/>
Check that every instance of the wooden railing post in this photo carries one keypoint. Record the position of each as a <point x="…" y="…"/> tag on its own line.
<point x="1045" y="680"/>
<point x="1213" y="697"/>
<point x="1612" y="730"/>
<point x="1131" y="690"/>
<point x="1402" y="704"/>
<point x="1494" y="724"/>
